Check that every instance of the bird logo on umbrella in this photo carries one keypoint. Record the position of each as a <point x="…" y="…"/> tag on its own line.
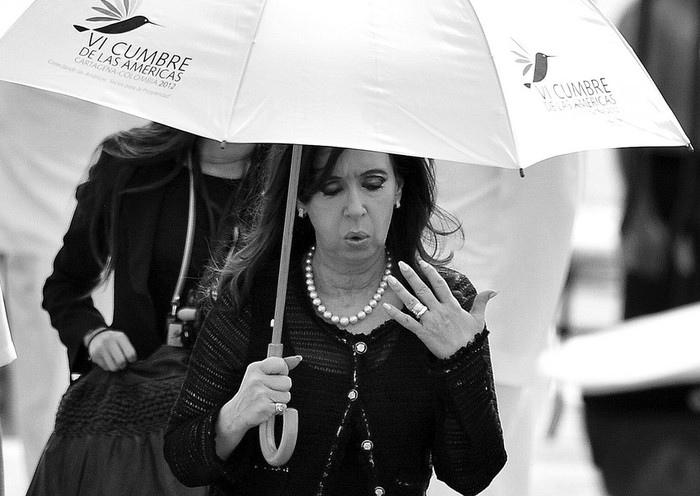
<point x="119" y="15"/>
<point x="540" y="63"/>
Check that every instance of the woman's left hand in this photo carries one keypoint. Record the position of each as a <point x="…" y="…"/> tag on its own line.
<point x="443" y="326"/>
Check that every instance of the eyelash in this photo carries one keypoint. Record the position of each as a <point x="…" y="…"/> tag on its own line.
<point x="371" y="185"/>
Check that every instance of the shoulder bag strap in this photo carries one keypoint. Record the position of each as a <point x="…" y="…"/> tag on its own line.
<point x="189" y="242"/>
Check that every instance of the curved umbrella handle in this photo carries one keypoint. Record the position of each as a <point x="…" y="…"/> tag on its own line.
<point x="274" y="455"/>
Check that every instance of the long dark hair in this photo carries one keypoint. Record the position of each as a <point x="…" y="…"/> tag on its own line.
<point x="414" y="231"/>
<point x="140" y="147"/>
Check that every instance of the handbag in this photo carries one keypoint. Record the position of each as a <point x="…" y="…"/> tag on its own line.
<point x="108" y="435"/>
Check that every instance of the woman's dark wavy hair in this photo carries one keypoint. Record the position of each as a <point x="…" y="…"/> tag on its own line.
<point x="128" y="150"/>
<point x="414" y="231"/>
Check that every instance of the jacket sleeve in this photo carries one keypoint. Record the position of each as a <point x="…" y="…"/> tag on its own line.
<point x="468" y="450"/>
<point x="215" y="372"/>
<point x="77" y="271"/>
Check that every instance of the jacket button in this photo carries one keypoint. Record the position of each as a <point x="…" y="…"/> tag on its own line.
<point x="367" y="445"/>
<point x="353" y="394"/>
<point x="379" y="491"/>
<point x="360" y="347"/>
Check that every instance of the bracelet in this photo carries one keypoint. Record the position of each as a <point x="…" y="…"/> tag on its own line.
<point x="87" y="339"/>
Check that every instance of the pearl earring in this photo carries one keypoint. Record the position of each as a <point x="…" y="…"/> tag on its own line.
<point x="398" y="204"/>
<point x="301" y="213"/>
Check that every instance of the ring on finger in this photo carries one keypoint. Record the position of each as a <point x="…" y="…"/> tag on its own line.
<point x="280" y="408"/>
<point x="419" y="309"/>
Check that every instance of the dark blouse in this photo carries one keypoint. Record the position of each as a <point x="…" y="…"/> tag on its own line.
<point x="171" y="232"/>
<point x="377" y="412"/>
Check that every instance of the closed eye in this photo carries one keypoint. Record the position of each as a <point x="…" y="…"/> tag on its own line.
<point x="374" y="183"/>
<point x="331" y="187"/>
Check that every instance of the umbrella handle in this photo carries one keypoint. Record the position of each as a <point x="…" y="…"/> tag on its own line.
<point x="274" y="455"/>
<point x="279" y="455"/>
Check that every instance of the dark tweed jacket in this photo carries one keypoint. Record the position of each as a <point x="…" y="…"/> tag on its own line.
<point x="373" y="420"/>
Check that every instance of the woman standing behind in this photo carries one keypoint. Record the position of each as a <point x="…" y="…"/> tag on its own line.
<point x="383" y="396"/>
<point x="131" y="222"/>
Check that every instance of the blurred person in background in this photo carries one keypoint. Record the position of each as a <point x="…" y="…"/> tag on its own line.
<point x="517" y="234"/>
<point x="647" y="441"/>
<point x="46" y="140"/>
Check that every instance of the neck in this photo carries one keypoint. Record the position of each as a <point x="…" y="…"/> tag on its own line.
<point x="337" y="280"/>
<point x="342" y="299"/>
<point x="229" y="162"/>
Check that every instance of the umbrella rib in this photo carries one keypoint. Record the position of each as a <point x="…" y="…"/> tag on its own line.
<point x="595" y="8"/>
<point x="245" y="65"/>
<point x="500" y="86"/>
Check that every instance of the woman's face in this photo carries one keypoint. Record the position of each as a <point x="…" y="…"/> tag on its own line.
<point x="352" y="211"/>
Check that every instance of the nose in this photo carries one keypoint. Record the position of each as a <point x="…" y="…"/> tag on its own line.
<point x="355" y="206"/>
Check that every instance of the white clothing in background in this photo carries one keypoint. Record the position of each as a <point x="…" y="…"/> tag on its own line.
<point x="518" y="243"/>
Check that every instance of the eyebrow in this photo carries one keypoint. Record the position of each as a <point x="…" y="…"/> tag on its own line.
<point x="376" y="171"/>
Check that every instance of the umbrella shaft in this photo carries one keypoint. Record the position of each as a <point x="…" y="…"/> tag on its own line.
<point x="285" y="254"/>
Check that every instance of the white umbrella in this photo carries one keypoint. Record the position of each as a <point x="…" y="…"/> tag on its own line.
<point x="490" y="82"/>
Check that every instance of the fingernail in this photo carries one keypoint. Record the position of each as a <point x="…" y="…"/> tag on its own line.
<point x="493" y="294"/>
<point x="300" y="357"/>
<point x="392" y="280"/>
<point x="422" y="262"/>
<point x="403" y="265"/>
<point x="386" y="306"/>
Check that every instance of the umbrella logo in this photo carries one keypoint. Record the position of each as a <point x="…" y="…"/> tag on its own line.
<point x="539" y="62"/>
<point x="119" y="14"/>
<point x="593" y="93"/>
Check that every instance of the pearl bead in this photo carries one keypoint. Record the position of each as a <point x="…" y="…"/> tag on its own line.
<point x="327" y="314"/>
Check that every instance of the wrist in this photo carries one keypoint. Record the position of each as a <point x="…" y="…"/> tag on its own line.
<point x="87" y="339"/>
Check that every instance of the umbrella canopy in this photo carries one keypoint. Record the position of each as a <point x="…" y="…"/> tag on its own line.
<point x="457" y="81"/>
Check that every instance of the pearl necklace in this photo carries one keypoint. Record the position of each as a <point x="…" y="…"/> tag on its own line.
<point x="327" y="314"/>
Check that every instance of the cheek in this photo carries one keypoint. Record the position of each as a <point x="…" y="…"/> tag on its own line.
<point x="324" y="219"/>
<point x="382" y="219"/>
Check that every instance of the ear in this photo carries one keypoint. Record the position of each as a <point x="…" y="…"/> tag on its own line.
<point x="399" y="189"/>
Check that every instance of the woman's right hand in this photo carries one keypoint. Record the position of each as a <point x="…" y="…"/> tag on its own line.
<point x="264" y="384"/>
<point x="112" y="350"/>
